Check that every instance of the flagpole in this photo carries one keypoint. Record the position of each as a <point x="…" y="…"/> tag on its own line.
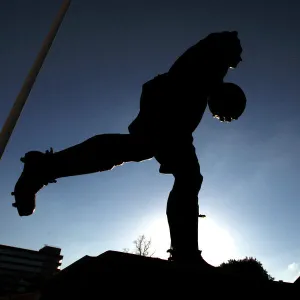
<point x="22" y="97"/>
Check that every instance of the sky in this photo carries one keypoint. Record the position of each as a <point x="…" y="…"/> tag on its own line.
<point x="90" y="84"/>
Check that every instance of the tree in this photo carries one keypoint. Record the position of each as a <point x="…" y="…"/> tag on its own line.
<point x="249" y="268"/>
<point x="142" y="247"/>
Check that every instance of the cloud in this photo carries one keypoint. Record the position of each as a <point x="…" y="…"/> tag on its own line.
<point x="292" y="272"/>
<point x="294" y="267"/>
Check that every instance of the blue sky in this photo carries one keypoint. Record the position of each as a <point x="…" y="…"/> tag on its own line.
<point x="91" y="83"/>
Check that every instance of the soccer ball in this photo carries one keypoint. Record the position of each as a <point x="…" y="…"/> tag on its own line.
<point x="228" y="102"/>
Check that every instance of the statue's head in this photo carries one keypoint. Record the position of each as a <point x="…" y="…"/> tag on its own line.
<point x="228" y="46"/>
<point x="227" y="102"/>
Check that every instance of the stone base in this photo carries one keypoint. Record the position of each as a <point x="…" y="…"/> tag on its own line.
<point x="117" y="274"/>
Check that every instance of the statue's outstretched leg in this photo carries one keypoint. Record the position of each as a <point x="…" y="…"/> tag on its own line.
<point x="97" y="154"/>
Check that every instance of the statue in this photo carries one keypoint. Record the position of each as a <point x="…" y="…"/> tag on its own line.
<point x="171" y="107"/>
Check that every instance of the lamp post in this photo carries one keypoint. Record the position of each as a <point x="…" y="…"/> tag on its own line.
<point x="22" y="97"/>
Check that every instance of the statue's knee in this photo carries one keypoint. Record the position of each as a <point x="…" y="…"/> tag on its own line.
<point x="189" y="182"/>
<point x="183" y="199"/>
<point x="197" y="181"/>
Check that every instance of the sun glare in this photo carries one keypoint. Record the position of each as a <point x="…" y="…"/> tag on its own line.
<point x="216" y="243"/>
<point x="158" y="231"/>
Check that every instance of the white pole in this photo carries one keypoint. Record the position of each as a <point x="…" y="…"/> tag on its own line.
<point x="21" y="99"/>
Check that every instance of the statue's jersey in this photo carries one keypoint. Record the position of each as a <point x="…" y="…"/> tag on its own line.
<point x="172" y="104"/>
<point x="165" y="110"/>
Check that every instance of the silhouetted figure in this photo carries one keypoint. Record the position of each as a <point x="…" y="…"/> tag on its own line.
<point x="171" y="108"/>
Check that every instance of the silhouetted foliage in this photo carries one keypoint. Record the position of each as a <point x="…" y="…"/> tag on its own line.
<point x="142" y="247"/>
<point x="249" y="268"/>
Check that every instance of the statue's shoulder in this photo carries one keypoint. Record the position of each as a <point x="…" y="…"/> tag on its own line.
<point x="158" y="81"/>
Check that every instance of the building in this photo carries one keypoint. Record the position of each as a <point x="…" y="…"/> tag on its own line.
<point x="24" y="270"/>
